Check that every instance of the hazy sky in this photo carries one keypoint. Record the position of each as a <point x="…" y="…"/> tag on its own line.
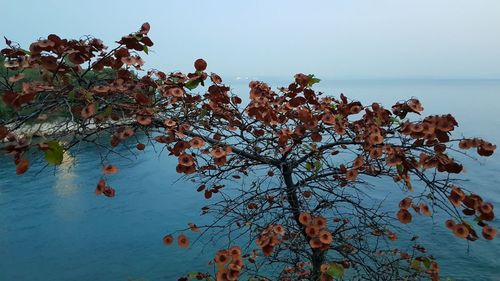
<point x="333" y="39"/>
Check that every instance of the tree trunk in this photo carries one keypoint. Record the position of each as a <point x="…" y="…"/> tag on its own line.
<point x="318" y="256"/>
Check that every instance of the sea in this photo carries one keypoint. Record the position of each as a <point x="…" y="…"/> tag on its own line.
<point x="53" y="226"/>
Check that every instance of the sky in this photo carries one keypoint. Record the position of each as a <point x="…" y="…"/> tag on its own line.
<point x="335" y="39"/>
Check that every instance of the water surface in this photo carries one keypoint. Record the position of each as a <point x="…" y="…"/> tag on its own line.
<point x="53" y="227"/>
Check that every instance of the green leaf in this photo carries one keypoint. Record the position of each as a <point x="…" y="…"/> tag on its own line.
<point x="400" y="168"/>
<point x="312" y="80"/>
<point x="309" y="166"/>
<point x="395" y="120"/>
<point x="54" y="153"/>
<point x="317" y="165"/>
<point x="146" y="49"/>
<point x="335" y="270"/>
<point x="427" y="262"/>
<point x="71" y="96"/>
<point x="415" y="264"/>
<point x="26" y="52"/>
<point x="203" y="113"/>
<point x="192" y="84"/>
<point x="108" y="111"/>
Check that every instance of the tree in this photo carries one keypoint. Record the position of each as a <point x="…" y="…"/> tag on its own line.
<point x="305" y="157"/>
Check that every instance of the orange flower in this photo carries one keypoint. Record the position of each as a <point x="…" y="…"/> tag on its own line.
<point x="415" y="105"/>
<point x="305" y="218"/>
<point x="237" y="262"/>
<point x="376" y="153"/>
<point x="455" y="201"/>
<point x="278" y="229"/>
<point x="457" y="193"/>
<point x="325" y="237"/>
<point x="235" y="251"/>
<point x="328" y="119"/>
<point x="233" y="275"/>
<point x="460" y="230"/>
<point x="183" y="241"/>
<point x="376" y="139"/>
<point x="358" y="162"/>
<point x="404" y="216"/>
<point x="221" y="257"/>
<point x="324" y="267"/>
<point x="218" y="152"/>
<point x="175" y="92"/>
<point x="168" y="240"/>
<point x="197" y="142"/>
<point x="319" y="222"/>
<point x="351" y="175"/>
<point x="109" y="169"/>
<point x="465" y="144"/>
<point x="169" y="123"/>
<point x="450" y="224"/>
<point x="405" y="203"/>
<point x="312" y="230"/>
<point x="315" y="243"/>
<point x="489" y="232"/>
<point x="125" y="133"/>
<point x="144" y="120"/>
<point x="425" y="210"/>
<point x="186" y="160"/>
<point x="88" y="111"/>
<point x="222" y="275"/>
<point x="220" y="161"/>
<point x="316" y="137"/>
<point x="486" y="208"/>
<point x="355" y="109"/>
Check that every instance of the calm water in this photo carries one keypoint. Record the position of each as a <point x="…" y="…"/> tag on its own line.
<point x="53" y="227"/>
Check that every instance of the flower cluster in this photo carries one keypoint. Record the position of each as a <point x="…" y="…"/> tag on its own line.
<point x="270" y="237"/>
<point x="474" y="206"/>
<point x="316" y="230"/>
<point x="229" y="264"/>
<point x="404" y="215"/>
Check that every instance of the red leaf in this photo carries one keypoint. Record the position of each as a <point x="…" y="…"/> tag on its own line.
<point x="145" y="28"/>
<point x="3" y="132"/>
<point x="22" y="166"/>
<point x="109" y="169"/>
<point x="109" y="192"/>
<point x="200" y="65"/>
<point x="101" y="187"/>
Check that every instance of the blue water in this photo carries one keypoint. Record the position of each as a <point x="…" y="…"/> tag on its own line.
<point x="53" y="227"/>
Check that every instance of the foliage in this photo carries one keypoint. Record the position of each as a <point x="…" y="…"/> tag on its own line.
<point x="306" y="157"/>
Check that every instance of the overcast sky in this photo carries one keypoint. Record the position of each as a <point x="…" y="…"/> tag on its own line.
<point x="344" y="39"/>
